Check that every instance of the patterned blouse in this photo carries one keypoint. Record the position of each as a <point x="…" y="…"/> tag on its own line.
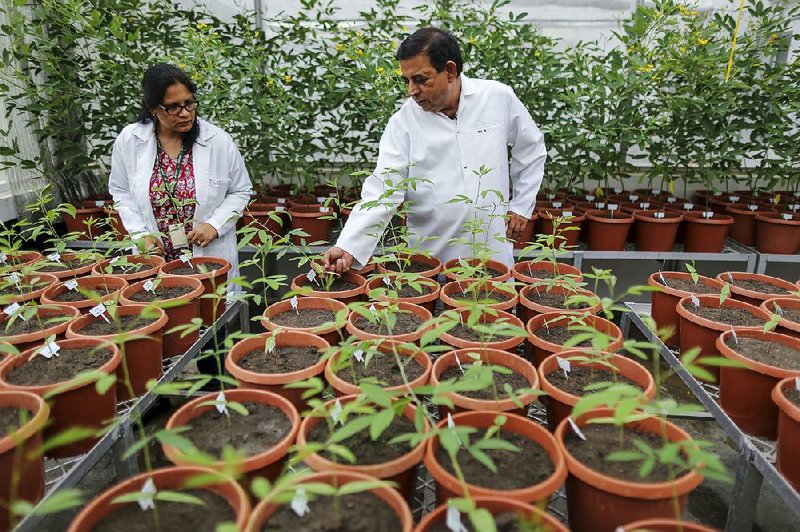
<point x="180" y="207"/>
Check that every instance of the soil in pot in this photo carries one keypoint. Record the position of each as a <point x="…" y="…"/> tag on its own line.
<point x="769" y="353"/>
<point x="464" y="332"/>
<point x="504" y="522"/>
<point x="687" y="285"/>
<point x="125" y="269"/>
<point x="40" y="371"/>
<point x="71" y="296"/>
<point x="201" y="268"/>
<point x="515" y="469"/>
<point x="361" y="444"/>
<point x="304" y="318"/>
<point x="10" y="289"/>
<point x="384" y="368"/>
<point x="515" y="380"/>
<point x="557" y="301"/>
<point x="560" y="334"/>
<point x="791" y="314"/>
<point x="762" y="287"/>
<point x="358" y="512"/>
<point x="122" y="323"/>
<point x="407" y="267"/>
<point x="580" y="377"/>
<point x="793" y="395"/>
<point x="65" y="264"/>
<point x="282" y="359"/>
<point x="33" y="325"/>
<point x="408" y="291"/>
<point x="12" y="418"/>
<point x="737" y="317"/>
<point x="172" y="515"/>
<point x="407" y="323"/>
<point x="338" y="285"/>
<point x="483" y="295"/>
<point x="161" y="293"/>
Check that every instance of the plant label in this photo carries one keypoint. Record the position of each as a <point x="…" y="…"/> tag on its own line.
<point x="578" y="432"/>
<point x="787" y="216"/>
<point x="15" y="278"/>
<point x="633" y="197"/>
<point x="557" y="204"/>
<point x="644" y="205"/>
<point x="114" y="260"/>
<point x="590" y="197"/>
<point x="222" y="404"/>
<point x="695" y="300"/>
<point x="661" y="276"/>
<point x="99" y="203"/>
<point x="372" y="309"/>
<point x="12" y="308"/>
<point x="3" y="258"/>
<point x="618" y="190"/>
<point x="733" y="199"/>
<point x="778" y="309"/>
<point x="321" y="199"/>
<point x="600" y="205"/>
<point x="655" y="191"/>
<point x="299" y="502"/>
<point x="133" y="250"/>
<point x="149" y="490"/>
<point x="688" y="206"/>
<point x="281" y="200"/>
<point x="270" y="344"/>
<point x="387" y="281"/>
<point x="149" y="286"/>
<point x="708" y="214"/>
<point x="72" y="284"/>
<point x="672" y="199"/>
<point x="324" y="209"/>
<point x="797" y="383"/>
<point x="311" y="275"/>
<point x="280" y="208"/>
<point x="358" y="354"/>
<point x="566" y="214"/>
<point x="50" y="350"/>
<point x="612" y="207"/>
<point x="564" y="365"/>
<point x="336" y="412"/>
<point x="458" y="362"/>
<point x="186" y="258"/>
<point x="718" y="193"/>
<point x="730" y="277"/>
<point x="659" y="215"/>
<point x="753" y="207"/>
<point x="450" y="423"/>
<point x="453" y="520"/>
<point x="99" y="311"/>
<point x="54" y="257"/>
<point x="733" y="333"/>
<point x="293" y="302"/>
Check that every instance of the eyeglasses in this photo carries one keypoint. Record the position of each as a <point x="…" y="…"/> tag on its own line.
<point x="175" y="109"/>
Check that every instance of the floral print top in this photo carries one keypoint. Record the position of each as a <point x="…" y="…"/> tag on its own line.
<point x="174" y="201"/>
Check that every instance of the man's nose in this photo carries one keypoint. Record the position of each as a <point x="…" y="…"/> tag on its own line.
<point x="413" y="88"/>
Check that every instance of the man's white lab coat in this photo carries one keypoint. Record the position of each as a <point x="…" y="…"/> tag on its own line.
<point x="447" y="153"/>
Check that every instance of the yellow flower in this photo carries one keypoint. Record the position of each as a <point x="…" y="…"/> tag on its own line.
<point x="405" y="29"/>
<point x="287" y="78"/>
<point x="359" y="52"/>
<point x="394" y="43"/>
<point x="630" y="49"/>
<point x="339" y="47"/>
<point x="647" y="68"/>
<point x="682" y="9"/>
<point x="683" y="49"/>
<point x="398" y="72"/>
<point x="537" y="53"/>
<point x="702" y="42"/>
<point x="201" y="25"/>
<point x="380" y="70"/>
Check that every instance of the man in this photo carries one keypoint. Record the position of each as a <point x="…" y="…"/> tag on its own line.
<point x="446" y="135"/>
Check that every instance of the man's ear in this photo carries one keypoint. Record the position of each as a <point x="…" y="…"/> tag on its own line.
<point x="452" y="70"/>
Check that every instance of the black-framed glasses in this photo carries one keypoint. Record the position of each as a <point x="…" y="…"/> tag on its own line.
<point x="175" y="109"/>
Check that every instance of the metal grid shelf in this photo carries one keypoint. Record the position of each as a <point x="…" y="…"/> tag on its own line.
<point x="756" y="455"/>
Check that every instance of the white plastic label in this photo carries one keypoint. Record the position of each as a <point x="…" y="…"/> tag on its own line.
<point x="688" y="206"/>
<point x="299" y="502"/>
<point x="72" y="284"/>
<point x="387" y="281"/>
<point x="321" y="199"/>
<point x="372" y="309"/>
<point x="576" y="430"/>
<point x="453" y="520"/>
<point x="618" y="190"/>
<point x="336" y="412"/>
<point x="114" y="260"/>
<point x="221" y="405"/>
<point x="187" y="259"/>
<point x="450" y="423"/>
<point x="695" y="300"/>
<point x="661" y="276"/>
<point x="797" y="382"/>
<point x="459" y="365"/>
<point x="54" y="257"/>
<point x="50" y="350"/>
<point x="270" y="344"/>
<point x="557" y="204"/>
<point x="12" y="308"/>
<point x="280" y="208"/>
<point x="659" y="215"/>
<point x="589" y="197"/>
<point x="778" y="309"/>
<point x="644" y="205"/>
<point x="718" y="193"/>
<point x="311" y="275"/>
<point x="281" y="200"/>
<point x="753" y="207"/>
<point x="633" y="197"/>
<point x="149" y="286"/>
<point x="3" y="258"/>
<point x="99" y="311"/>
<point x="133" y="250"/>
<point x="733" y="199"/>
<point x="293" y="302"/>
<point x="735" y="338"/>
<point x="655" y="191"/>
<point x="566" y="214"/>
<point x="708" y="214"/>
<point x="324" y="209"/>
<point x="672" y="199"/>
<point x="99" y="203"/>
<point x="787" y="216"/>
<point x="15" y="278"/>
<point x="358" y="354"/>
<point x="730" y="277"/>
<point x="149" y="489"/>
<point x="564" y="365"/>
<point x="612" y="206"/>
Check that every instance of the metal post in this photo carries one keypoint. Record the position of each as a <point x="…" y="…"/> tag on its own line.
<point x="124" y="467"/>
<point x="744" y="498"/>
<point x="259" y="18"/>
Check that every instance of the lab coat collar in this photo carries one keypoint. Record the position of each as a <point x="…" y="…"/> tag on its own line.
<point x="468" y="87"/>
<point x="145" y="132"/>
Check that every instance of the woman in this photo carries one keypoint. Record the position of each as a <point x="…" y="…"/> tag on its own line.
<point x="177" y="180"/>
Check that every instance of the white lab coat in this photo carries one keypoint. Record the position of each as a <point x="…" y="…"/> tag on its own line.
<point x="222" y="185"/>
<point x="421" y="144"/>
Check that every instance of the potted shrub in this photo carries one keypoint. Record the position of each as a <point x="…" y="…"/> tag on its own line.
<point x="492" y="294"/>
<point x="656" y="230"/>
<point x="473" y="327"/>
<point x="84" y="292"/>
<point x="554" y="332"/>
<point x="417" y="263"/>
<point x="401" y="322"/>
<point x="744" y="221"/>
<point x="535" y="300"/>
<point x="777" y="232"/>
<point x="756" y="288"/>
<point x="607" y="229"/>
<point x="505" y="511"/>
<point x="463" y="269"/>
<point x="26" y="287"/>
<point x="786" y="395"/>
<point x="211" y="271"/>
<point x="706" y="231"/>
<point x="671" y="288"/>
<point x="71" y="264"/>
<point x="407" y="288"/>
<point x="346" y="288"/>
<point x="788" y="310"/>
<point x="40" y="323"/>
<point x="538" y="272"/>
<point x="130" y="267"/>
<point x="320" y="316"/>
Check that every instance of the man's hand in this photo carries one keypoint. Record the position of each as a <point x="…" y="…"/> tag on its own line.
<point x="337" y="260"/>
<point x="152" y="245"/>
<point x="202" y="235"/>
<point x="515" y="226"/>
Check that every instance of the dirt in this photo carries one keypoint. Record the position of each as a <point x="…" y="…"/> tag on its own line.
<point x="263" y="427"/>
<point x="407" y="267"/>
<point x="483" y="272"/>
<point x="71" y="296"/>
<point x="463" y="332"/>
<point x="540" y="274"/>
<point x="769" y="353"/>
<point x="759" y="286"/>
<point x="11" y="418"/>
<point x="367" y="451"/>
<point x="33" y="325"/>
<point x="304" y="318"/>
<point x="407" y="291"/>
<point x="482" y="296"/>
<point x="357" y="512"/>
<point x="505" y="522"/>
<point x="71" y="264"/>
<point x="601" y="440"/>
<point x="383" y="368"/>
<point x="406" y="323"/>
<point x="580" y="378"/>
<point x="171" y="515"/>
<point x="556" y="301"/>
<point x="99" y="327"/>
<point x="793" y="395"/>
<point x="161" y="293"/>
<point x="791" y="314"/>
<point x="132" y="267"/>
<point x="515" y="380"/>
<point x="24" y="288"/>
<point x="283" y="359"/>
<point x="338" y="285"/>
<point x="40" y="371"/>
<point x="515" y="469"/>
<point x="204" y="267"/>
<point x="727" y="315"/>
<point x="560" y="334"/>
<point x="689" y="286"/>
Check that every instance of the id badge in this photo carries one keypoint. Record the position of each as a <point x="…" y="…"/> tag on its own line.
<point x="177" y="235"/>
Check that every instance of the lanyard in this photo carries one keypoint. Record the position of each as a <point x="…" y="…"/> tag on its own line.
<point x="162" y="172"/>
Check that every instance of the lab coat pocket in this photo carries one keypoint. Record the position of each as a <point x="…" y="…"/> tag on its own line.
<point x="217" y="190"/>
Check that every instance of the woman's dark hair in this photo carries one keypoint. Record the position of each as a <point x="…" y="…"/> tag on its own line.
<point x="157" y="79"/>
<point x="441" y="46"/>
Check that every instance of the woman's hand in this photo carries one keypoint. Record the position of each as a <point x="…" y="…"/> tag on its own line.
<point x="202" y="235"/>
<point x="152" y="245"/>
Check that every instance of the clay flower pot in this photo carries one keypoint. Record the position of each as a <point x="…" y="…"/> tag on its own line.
<point x="152" y="264"/>
<point x="560" y="403"/>
<point x="494" y="357"/>
<point x="301" y="283"/>
<point x="528" y="272"/>
<point x="529" y="307"/>
<point x="21" y="463"/>
<point x="180" y="310"/>
<point x="330" y="332"/>
<point x="787" y="459"/>
<point x="608" y="230"/>
<point x="32" y="285"/>
<point x="504" y="342"/>
<point x="273" y="218"/>
<point x="401" y="307"/>
<point x="785" y="326"/>
<point x="18" y="260"/>
<point x="784" y="288"/>
<point x="457" y="294"/>
<point x="601" y="502"/>
<point x="378" y="290"/>
<point x="664" y="525"/>
<point x="390" y="496"/>
<point x="569" y="229"/>
<point x="454" y="271"/>
<point x="435" y="265"/>
<point x="705" y="233"/>
<point x="527" y="232"/>
<point x="63" y="273"/>
<point x="537" y="349"/>
<point x="497" y="506"/>
<point x="165" y="479"/>
<point x="744" y="392"/>
<point x="664" y="300"/>
<point x="401" y="470"/>
<point x="211" y="308"/>
<point x="113" y="285"/>
<point x="697" y="331"/>
<point x="744" y="221"/>
<point x="79" y="222"/>
<point x="777" y="232"/>
<point x="75" y="405"/>
<point x="448" y="485"/>
<point x="656" y="230"/>
<point x="276" y="382"/>
<point x="315" y="219"/>
<point x="141" y="355"/>
<point x="267" y="463"/>
<point x="55" y="320"/>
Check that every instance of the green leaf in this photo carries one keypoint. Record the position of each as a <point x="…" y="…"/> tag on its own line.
<point x="380" y="422"/>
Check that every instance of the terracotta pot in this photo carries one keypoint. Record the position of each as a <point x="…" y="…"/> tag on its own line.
<point x="314" y="219"/>
<point x="377" y="289"/>
<point x="79" y="222"/>
<point x="538" y="349"/>
<point x="785" y="326"/>
<point x="265" y="509"/>
<point x="787" y="459"/>
<point x="34" y="285"/>
<point x="751" y="296"/>
<point x="642" y="205"/>
<point x="165" y="479"/>
<point x="273" y="218"/>
<point x="744" y="221"/>
<point x="607" y="233"/>
<point x="569" y="229"/>
<point x="682" y="208"/>
<point x="701" y="332"/>
<point x="153" y="262"/>
<point x="494" y="357"/>
<point x="301" y="283"/>
<point x="433" y="271"/>
<point x="330" y="332"/>
<point x="554" y="204"/>
<point x="540" y="520"/>
<point x="454" y="292"/>
<point x="21" y="462"/>
<point x="72" y="273"/>
<point x="528" y="308"/>
<point x="705" y="235"/>
<point x="180" y="311"/>
<point x="56" y="319"/>
<point x="400" y="307"/>
<point x="584" y="207"/>
<point x="343" y="387"/>
<point x="401" y="470"/>
<point x="777" y="233"/>
<point x="598" y="502"/>
<point x="560" y="403"/>
<point x="527" y="233"/>
<point x="276" y="382"/>
<point x="141" y="356"/>
<point x="211" y="308"/>
<point x="452" y="267"/>
<point x="626" y="197"/>
<point x="664" y="300"/>
<point x="12" y="261"/>
<point x="654" y="233"/>
<point x="448" y="485"/>
<point x="113" y="284"/>
<point x="75" y="405"/>
<point x="665" y="525"/>
<point x="114" y="225"/>
<point x="502" y="342"/>
<point x="267" y="463"/>
<point x="744" y="392"/>
<point x="720" y="205"/>
<point x="525" y="272"/>
<point x="366" y="270"/>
